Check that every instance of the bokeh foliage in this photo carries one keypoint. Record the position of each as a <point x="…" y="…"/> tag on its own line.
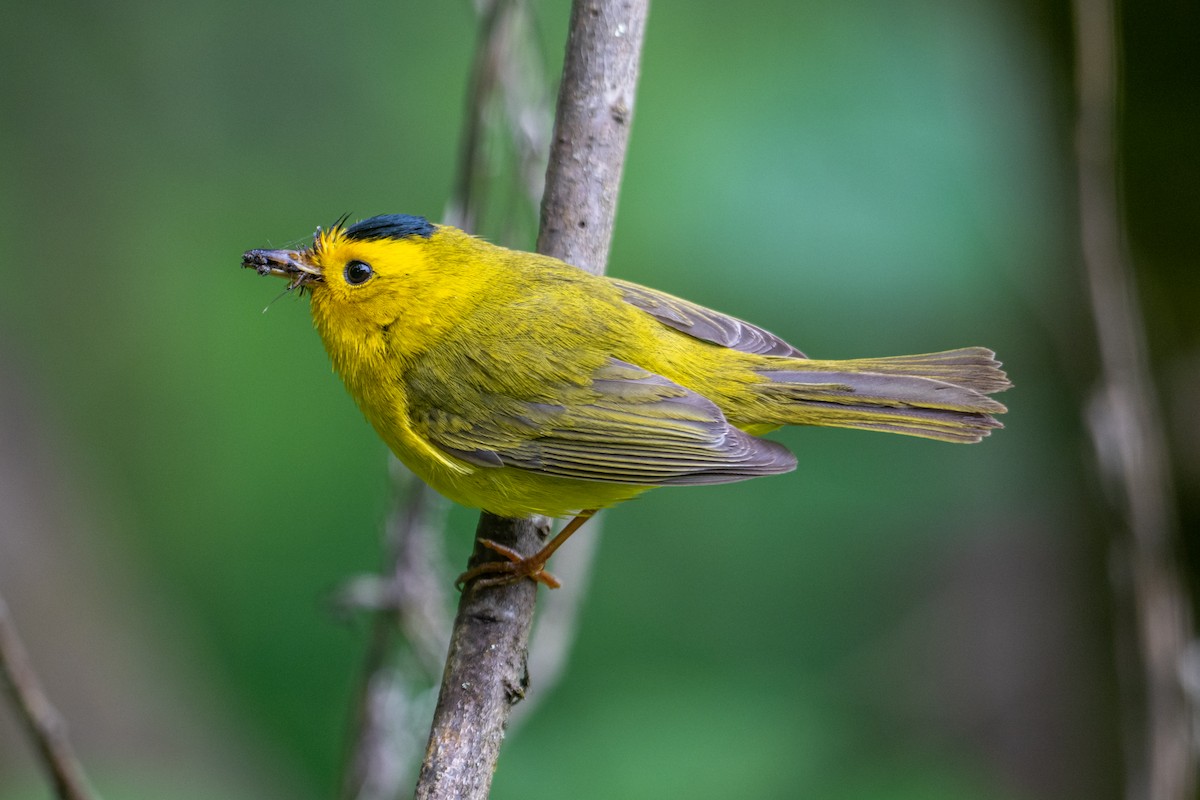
<point x="897" y="619"/>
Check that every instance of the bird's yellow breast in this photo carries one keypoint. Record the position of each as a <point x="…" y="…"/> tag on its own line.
<point x="435" y="303"/>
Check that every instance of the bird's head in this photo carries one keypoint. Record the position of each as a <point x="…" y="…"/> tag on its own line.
<point x="358" y="272"/>
<point x="352" y="263"/>
<point x="365" y="277"/>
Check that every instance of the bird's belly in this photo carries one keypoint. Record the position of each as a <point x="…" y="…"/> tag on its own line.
<point x="514" y="492"/>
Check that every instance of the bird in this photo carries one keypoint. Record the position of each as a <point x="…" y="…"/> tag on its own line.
<point x="519" y="384"/>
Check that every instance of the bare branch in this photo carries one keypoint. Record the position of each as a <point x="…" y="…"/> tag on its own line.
<point x="1129" y="437"/>
<point x="554" y="628"/>
<point x="508" y="105"/>
<point x="587" y="152"/>
<point x="485" y="673"/>
<point x="486" y="667"/>
<point x="406" y="644"/>
<point x="508" y="112"/>
<point x="45" y="726"/>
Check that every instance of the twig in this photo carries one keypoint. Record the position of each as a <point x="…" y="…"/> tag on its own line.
<point x="555" y="625"/>
<point x="467" y="206"/>
<point x="486" y="667"/>
<point x="508" y="109"/>
<point x="587" y="152"/>
<point x="1128" y="434"/>
<point x="485" y="673"/>
<point x="395" y="698"/>
<point x="508" y="81"/>
<point x="406" y="644"/>
<point x="45" y="726"/>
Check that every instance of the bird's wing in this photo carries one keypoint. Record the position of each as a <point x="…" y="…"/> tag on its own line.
<point x="625" y="425"/>
<point x="704" y="323"/>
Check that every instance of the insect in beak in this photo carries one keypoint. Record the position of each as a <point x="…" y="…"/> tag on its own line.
<point x="290" y="264"/>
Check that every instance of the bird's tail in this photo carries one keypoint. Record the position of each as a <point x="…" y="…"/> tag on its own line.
<point x="938" y="395"/>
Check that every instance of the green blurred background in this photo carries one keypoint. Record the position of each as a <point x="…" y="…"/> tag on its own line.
<point x="184" y="483"/>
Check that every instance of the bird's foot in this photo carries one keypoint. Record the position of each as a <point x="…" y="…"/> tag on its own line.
<point x="516" y="568"/>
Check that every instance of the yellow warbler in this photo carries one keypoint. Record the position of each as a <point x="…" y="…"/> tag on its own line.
<point x="518" y="384"/>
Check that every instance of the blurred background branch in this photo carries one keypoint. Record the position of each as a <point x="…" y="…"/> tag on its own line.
<point x="1130" y="442"/>
<point x="486" y="669"/>
<point x="851" y="176"/>
<point x="47" y="730"/>
<point x="408" y="638"/>
<point x="504" y="142"/>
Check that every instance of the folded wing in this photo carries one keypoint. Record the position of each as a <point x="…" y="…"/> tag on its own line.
<point x="627" y="425"/>
<point x="704" y="323"/>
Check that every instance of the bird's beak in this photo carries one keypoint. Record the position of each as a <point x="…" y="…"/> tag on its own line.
<point x="291" y="264"/>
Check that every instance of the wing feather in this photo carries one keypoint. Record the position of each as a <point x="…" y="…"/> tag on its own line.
<point x="631" y="426"/>
<point x="704" y="323"/>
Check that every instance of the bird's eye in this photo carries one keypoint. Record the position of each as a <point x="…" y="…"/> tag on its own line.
<point x="357" y="272"/>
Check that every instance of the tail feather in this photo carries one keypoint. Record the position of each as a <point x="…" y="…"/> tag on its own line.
<point x="936" y="395"/>
<point x="970" y="367"/>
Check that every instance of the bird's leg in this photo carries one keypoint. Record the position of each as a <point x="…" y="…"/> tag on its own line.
<point x="518" y="567"/>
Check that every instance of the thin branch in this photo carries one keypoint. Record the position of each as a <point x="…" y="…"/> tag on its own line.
<point x="486" y="667"/>
<point x="509" y="100"/>
<point x="508" y="114"/>
<point x="591" y="135"/>
<point x="508" y="111"/>
<point x="1129" y="435"/>
<point x="406" y="644"/>
<point x="485" y="673"/>
<point x="41" y="720"/>
<point x="554" y="628"/>
<point x="467" y="206"/>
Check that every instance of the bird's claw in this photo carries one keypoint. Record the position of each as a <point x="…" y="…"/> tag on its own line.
<point x="502" y="573"/>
